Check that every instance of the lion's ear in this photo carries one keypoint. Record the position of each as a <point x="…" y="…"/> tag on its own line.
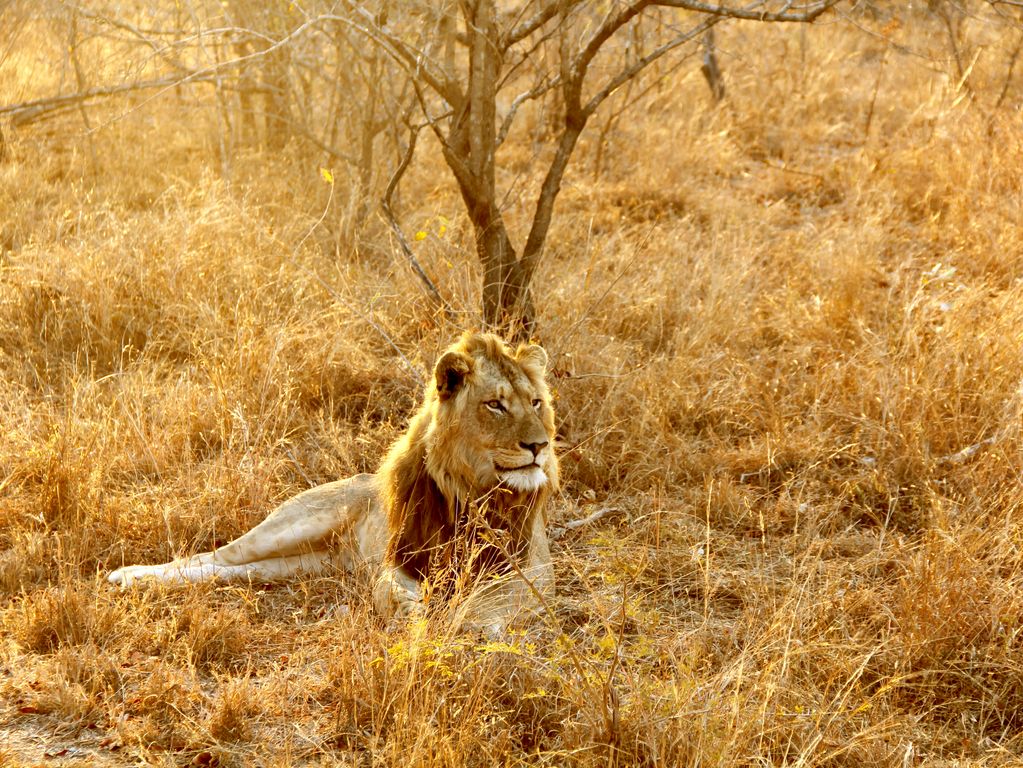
<point x="532" y="355"/>
<point x="451" y="370"/>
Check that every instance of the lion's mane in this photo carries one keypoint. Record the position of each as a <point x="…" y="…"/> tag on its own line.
<point x="438" y="517"/>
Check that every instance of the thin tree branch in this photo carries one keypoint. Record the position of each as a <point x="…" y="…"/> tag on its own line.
<point x="413" y="59"/>
<point x="545" y="201"/>
<point x="204" y="74"/>
<point x="530" y="25"/>
<point x="536" y="92"/>
<point x="639" y="65"/>
<point x="29" y="111"/>
<point x="466" y="182"/>
<point x="385" y="205"/>
<point x="611" y="24"/>
<point x="750" y="13"/>
<point x="524" y="56"/>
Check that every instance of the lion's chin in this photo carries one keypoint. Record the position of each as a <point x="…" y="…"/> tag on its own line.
<point x="524" y="480"/>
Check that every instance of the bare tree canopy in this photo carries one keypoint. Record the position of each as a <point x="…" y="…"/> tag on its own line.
<point x="566" y="52"/>
<point x="462" y="70"/>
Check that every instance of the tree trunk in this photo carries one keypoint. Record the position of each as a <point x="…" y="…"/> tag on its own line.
<point x="277" y="109"/>
<point x="507" y="300"/>
<point x="507" y="304"/>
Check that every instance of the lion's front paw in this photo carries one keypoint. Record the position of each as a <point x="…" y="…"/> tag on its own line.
<point x="397" y="596"/>
<point x="176" y="572"/>
<point x="133" y="574"/>
<point x="408" y="607"/>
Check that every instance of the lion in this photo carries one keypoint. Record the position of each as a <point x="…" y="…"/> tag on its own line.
<point x="457" y="507"/>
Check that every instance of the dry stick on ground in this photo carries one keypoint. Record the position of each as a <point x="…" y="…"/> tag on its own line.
<point x="968" y="452"/>
<point x="571" y="525"/>
<point x="1011" y="413"/>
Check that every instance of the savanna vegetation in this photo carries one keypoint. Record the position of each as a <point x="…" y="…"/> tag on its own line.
<point x="785" y="320"/>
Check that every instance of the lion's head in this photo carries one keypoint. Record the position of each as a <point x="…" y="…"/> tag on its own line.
<point x="485" y="431"/>
<point x="492" y="422"/>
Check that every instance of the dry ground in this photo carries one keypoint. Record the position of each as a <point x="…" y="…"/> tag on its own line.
<point x="775" y="324"/>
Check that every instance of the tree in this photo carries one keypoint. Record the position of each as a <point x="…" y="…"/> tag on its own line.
<point x="543" y="49"/>
<point x="464" y="71"/>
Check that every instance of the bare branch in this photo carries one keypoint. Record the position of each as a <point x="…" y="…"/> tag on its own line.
<point x="385" y="205"/>
<point x="599" y="514"/>
<point x="611" y="24"/>
<point x="413" y="59"/>
<point x="574" y="74"/>
<point x="537" y="91"/>
<point x="966" y="453"/>
<point x="466" y="182"/>
<point x="530" y="25"/>
<point x="545" y="201"/>
<point x="808" y="13"/>
<point x="29" y="111"/>
<point x="525" y="55"/>
<point x="639" y="65"/>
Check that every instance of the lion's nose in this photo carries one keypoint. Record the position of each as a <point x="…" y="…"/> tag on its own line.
<point x="534" y="447"/>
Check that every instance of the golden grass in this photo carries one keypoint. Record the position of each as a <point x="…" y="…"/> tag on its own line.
<point x="772" y="331"/>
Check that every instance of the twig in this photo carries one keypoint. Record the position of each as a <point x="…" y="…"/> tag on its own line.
<point x="968" y="452"/>
<point x="29" y="111"/>
<point x="602" y="375"/>
<point x="1008" y="73"/>
<point x="526" y="28"/>
<point x="795" y="171"/>
<point x="538" y="90"/>
<point x="640" y="64"/>
<point x="572" y="525"/>
<point x="385" y="205"/>
<point x="1011" y="412"/>
<point x="805" y="15"/>
<point x="877" y="87"/>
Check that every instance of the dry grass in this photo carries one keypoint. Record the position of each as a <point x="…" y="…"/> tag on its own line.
<point x="770" y="328"/>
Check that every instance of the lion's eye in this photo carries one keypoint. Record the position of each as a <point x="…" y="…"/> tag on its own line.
<point x="495" y="406"/>
<point x="537" y="402"/>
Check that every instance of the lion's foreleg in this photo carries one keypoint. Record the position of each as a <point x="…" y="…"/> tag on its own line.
<point x="397" y="595"/>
